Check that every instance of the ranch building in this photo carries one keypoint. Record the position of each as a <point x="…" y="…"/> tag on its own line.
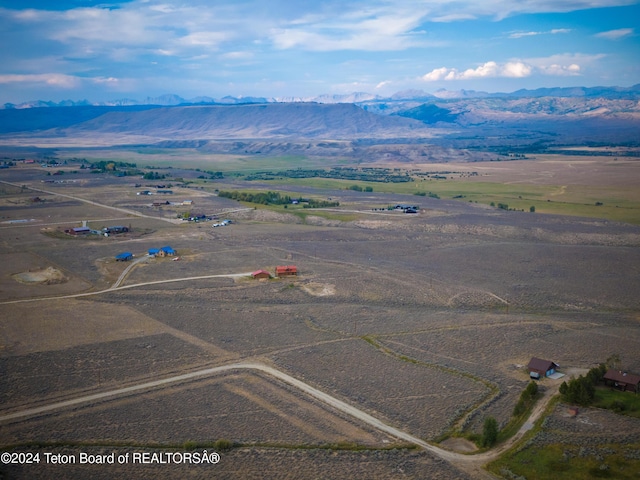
<point x="79" y="231"/>
<point x="285" y="271"/>
<point x="261" y="274"/>
<point x="627" y="382"/>
<point x="166" y="252"/>
<point x="124" y="257"/>
<point x="539" y="368"/>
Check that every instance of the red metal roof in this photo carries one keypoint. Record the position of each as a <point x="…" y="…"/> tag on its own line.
<point x="260" y="272"/>
<point x="286" y="269"/>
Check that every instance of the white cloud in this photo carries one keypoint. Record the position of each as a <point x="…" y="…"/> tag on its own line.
<point x="616" y="34"/>
<point x="560" y="70"/>
<point x="237" y="55"/>
<point x="486" y="70"/>
<point x="51" y="79"/>
<point x="451" y="10"/>
<point x="436" y="74"/>
<point x="556" y="65"/>
<point x="369" y="29"/>
<point x="555" y="31"/>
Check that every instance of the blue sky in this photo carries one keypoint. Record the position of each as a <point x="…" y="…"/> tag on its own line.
<point x="84" y="49"/>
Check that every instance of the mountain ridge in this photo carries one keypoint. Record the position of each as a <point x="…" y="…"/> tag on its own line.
<point x="613" y="92"/>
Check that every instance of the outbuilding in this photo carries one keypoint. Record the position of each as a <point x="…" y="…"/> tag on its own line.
<point x="286" y="270"/>
<point x="80" y="231"/>
<point x="153" y="252"/>
<point x="124" y="257"/>
<point x="539" y="368"/>
<point x="627" y="382"/>
<point x="261" y="274"/>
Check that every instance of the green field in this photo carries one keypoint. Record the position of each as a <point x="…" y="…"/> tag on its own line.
<point x="626" y="403"/>
<point x="619" y="204"/>
<point x="613" y="198"/>
<point x="551" y="462"/>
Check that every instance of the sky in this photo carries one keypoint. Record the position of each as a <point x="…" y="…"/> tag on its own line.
<point x="103" y="51"/>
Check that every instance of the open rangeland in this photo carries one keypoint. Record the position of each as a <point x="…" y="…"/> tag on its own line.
<point x="423" y="321"/>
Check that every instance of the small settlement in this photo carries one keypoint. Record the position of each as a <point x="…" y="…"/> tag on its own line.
<point x="281" y="271"/>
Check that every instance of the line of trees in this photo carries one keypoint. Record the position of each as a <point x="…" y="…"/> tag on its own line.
<point x="582" y="390"/>
<point x="527" y="399"/>
<point x="261" y="198"/>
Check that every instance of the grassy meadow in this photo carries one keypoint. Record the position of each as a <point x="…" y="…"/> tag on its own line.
<point x="597" y="187"/>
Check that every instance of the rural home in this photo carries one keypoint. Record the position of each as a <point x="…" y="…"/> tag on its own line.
<point x="284" y="271"/>
<point x="627" y="382"/>
<point x="261" y="274"/>
<point x="153" y="252"/>
<point x="539" y="368"/>
<point x="124" y="257"/>
<point x="79" y="231"/>
<point x="166" y="252"/>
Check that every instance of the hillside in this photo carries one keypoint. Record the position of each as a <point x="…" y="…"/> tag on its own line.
<point x="274" y="120"/>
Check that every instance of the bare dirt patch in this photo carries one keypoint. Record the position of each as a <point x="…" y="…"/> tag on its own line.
<point x="46" y="276"/>
<point x="318" y="289"/>
<point x="458" y="444"/>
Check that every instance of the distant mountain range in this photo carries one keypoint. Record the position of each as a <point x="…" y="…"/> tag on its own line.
<point x="628" y="93"/>
<point x="472" y="120"/>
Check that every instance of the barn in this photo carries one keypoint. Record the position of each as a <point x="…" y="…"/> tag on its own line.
<point x="261" y="274"/>
<point x="627" y="382"/>
<point x="80" y="231"/>
<point x="539" y="368"/>
<point x="286" y="270"/>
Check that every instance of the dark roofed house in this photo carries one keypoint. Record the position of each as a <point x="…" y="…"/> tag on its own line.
<point x="80" y="231"/>
<point x="627" y="382"/>
<point x="153" y="252"/>
<point x="283" y="271"/>
<point x="539" y="368"/>
<point x="168" y="251"/>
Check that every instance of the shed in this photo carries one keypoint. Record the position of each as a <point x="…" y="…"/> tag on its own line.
<point x="627" y="382"/>
<point x="261" y="274"/>
<point x="124" y="256"/>
<point x="541" y="368"/>
<point x="153" y="252"/>
<point x="286" y="270"/>
<point x="80" y="231"/>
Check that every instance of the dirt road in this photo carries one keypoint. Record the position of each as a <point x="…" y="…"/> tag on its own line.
<point x="471" y="464"/>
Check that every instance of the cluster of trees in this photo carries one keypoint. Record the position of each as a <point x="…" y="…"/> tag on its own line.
<point x="582" y="390"/>
<point x="527" y="399"/>
<point x="358" y="188"/>
<point x="346" y="173"/>
<point x="490" y="432"/>
<point x="103" y="166"/>
<point x="312" y="203"/>
<point x="154" y="176"/>
<point x="261" y="198"/>
<point x="275" y="198"/>
<point x="430" y="195"/>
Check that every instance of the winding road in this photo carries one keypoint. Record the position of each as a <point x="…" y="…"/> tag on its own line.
<point x="471" y="464"/>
